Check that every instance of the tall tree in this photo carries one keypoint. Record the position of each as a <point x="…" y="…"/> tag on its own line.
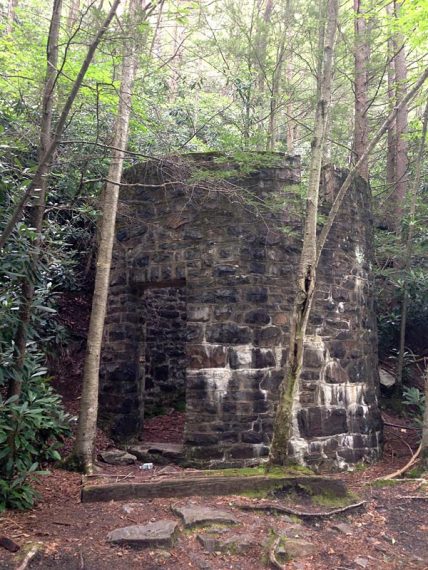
<point x="397" y="149"/>
<point x="84" y="445"/>
<point x="361" y="58"/>
<point x="73" y="11"/>
<point x="306" y="273"/>
<point x="37" y="211"/>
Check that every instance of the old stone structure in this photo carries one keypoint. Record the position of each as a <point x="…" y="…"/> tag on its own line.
<point x="201" y="289"/>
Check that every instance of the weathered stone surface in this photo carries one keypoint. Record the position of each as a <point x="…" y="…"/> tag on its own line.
<point x="200" y="516"/>
<point x="117" y="457"/>
<point x="155" y="534"/>
<point x="343" y="528"/>
<point x="291" y="548"/>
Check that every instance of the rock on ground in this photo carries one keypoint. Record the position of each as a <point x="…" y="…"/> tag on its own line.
<point x="117" y="457"/>
<point x="160" y="533"/>
<point x="200" y="516"/>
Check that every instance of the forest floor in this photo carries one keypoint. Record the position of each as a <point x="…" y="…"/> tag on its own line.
<point x="389" y="532"/>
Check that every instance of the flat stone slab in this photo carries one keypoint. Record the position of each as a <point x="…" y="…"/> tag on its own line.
<point x="117" y="457"/>
<point x="155" y="534"/>
<point x="200" y="516"/>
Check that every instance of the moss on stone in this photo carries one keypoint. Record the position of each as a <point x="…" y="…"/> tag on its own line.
<point x="272" y="472"/>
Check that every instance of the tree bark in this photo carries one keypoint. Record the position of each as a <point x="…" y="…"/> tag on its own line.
<point x="361" y="59"/>
<point x="84" y="445"/>
<point x="306" y="272"/>
<point x="408" y="251"/>
<point x="37" y="211"/>
<point x="40" y="173"/>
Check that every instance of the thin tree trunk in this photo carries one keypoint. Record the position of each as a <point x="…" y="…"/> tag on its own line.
<point x="37" y="211"/>
<point x="40" y="173"/>
<point x="72" y="13"/>
<point x="276" y="83"/>
<point x="361" y="58"/>
<point x="407" y="259"/>
<point x="11" y="15"/>
<point x="391" y="152"/>
<point x="84" y="445"/>
<point x="304" y="297"/>
<point x="306" y="271"/>
<point x="401" y="144"/>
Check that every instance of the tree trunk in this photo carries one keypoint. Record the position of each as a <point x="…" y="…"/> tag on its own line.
<point x="11" y="15"/>
<point x="306" y="271"/>
<point x="41" y="171"/>
<point x="276" y="83"/>
<point x="72" y="13"/>
<point x="408" y="251"/>
<point x="37" y="211"/>
<point x="391" y="152"/>
<point x="401" y="144"/>
<point x="84" y="445"/>
<point x="361" y="58"/>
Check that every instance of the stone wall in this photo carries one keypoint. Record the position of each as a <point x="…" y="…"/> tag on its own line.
<point x="231" y="248"/>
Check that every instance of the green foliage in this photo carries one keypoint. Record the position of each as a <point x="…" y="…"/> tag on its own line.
<point x="31" y="432"/>
<point x="414" y="400"/>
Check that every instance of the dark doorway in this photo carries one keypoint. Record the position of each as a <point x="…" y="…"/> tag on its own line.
<point x="163" y="362"/>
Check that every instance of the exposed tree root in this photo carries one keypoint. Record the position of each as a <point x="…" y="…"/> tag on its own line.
<point x="409" y="464"/>
<point x="272" y="557"/>
<point x="303" y="515"/>
<point x="29" y="556"/>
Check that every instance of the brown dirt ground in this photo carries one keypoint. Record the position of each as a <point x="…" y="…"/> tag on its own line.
<point x="389" y="533"/>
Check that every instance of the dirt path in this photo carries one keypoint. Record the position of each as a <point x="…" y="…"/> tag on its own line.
<point x="389" y="533"/>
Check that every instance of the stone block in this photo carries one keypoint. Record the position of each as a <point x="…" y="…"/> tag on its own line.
<point x="321" y="422"/>
<point x="207" y="356"/>
<point x="228" y="333"/>
<point x="257" y="317"/>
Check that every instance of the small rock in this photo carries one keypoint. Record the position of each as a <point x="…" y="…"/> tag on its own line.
<point x="295" y="548"/>
<point x="164" y="554"/>
<point x="9" y="544"/>
<point x="362" y="562"/>
<point x="117" y="457"/>
<point x="343" y="528"/>
<point x="200" y="516"/>
<point x="155" y="534"/>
